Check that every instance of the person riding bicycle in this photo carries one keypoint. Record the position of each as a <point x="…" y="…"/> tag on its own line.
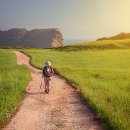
<point x="47" y="75"/>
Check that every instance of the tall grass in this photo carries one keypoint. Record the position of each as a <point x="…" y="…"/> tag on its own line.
<point x="13" y="80"/>
<point x="102" y="76"/>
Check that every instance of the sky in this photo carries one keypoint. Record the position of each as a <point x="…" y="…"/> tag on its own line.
<point x="76" y="19"/>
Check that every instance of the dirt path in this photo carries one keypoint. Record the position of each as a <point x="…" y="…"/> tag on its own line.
<point x="61" y="109"/>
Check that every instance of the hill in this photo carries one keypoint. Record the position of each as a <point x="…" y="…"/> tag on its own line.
<point x="36" y="38"/>
<point x="119" y="36"/>
<point x="97" y="45"/>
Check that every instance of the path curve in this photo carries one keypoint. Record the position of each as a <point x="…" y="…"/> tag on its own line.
<point x="61" y="109"/>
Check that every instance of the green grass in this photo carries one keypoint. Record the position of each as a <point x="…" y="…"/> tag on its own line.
<point x="13" y="80"/>
<point x="105" y="44"/>
<point x="102" y="76"/>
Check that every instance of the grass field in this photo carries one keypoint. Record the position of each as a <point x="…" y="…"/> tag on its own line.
<point x="102" y="76"/>
<point x="13" y="80"/>
<point x="105" y="44"/>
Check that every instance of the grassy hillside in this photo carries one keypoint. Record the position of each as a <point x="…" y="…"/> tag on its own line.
<point x="100" y="45"/>
<point x="13" y="80"/>
<point x="103" y="77"/>
<point x="119" y="36"/>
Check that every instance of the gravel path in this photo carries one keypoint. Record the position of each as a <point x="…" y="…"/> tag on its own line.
<point x="61" y="109"/>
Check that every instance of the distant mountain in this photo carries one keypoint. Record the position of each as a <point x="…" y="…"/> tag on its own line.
<point x="36" y="38"/>
<point x="119" y="36"/>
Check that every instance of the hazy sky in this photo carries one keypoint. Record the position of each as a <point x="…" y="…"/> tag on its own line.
<point x="75" y="18"/>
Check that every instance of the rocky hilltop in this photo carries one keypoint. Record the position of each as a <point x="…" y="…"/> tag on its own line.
<point x="36" y="38"/>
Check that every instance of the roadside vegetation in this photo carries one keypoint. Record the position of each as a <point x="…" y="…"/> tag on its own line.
<point x="101" y="74"/>
<point x="13" y="81"/>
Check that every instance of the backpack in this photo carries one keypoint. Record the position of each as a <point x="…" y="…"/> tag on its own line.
<point x="47" y="71"/>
